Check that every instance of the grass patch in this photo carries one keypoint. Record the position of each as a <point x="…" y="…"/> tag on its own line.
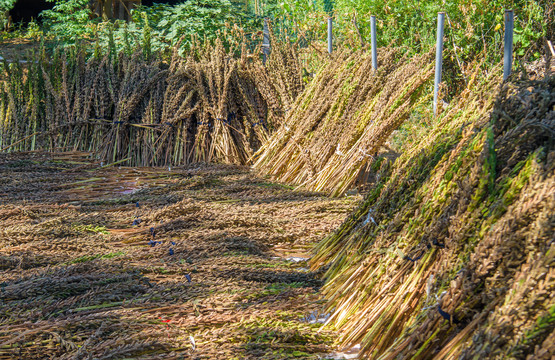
<point x="86" y="258"/>
<point x="91" y="229"/>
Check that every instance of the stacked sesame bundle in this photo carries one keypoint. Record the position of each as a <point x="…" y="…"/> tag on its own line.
<point x="138" y="110"/>
<point x="343" y="118"/>
<point x="452" y="255"/>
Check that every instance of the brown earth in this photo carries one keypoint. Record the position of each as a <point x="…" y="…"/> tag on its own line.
<point x="79" y="281"/>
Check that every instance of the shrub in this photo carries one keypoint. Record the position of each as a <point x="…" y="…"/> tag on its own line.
<point x="5" y="7"/>
<point x="70" y="19"/>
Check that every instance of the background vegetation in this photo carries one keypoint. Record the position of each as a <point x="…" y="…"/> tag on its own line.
<point x="472" y="28"/>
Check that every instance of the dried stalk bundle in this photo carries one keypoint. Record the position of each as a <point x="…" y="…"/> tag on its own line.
<point x="208" y="106"/>
<point x="343" y="118"/>
<point x="451" y="256"/>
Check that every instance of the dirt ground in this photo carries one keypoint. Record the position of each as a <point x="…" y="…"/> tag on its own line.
<point x="198" y="262"/>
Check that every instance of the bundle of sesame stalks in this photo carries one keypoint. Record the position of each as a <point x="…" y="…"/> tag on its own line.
<point x="342" y="119"/>
<point x="452" y="254"/>
<point x="133" y="109"/>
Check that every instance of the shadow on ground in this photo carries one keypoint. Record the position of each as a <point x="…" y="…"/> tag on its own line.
<point x="203" y="273"/>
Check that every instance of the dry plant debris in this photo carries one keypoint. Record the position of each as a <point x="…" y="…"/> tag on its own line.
<point x="202" y="275"/>
<point x="452" y="254"/>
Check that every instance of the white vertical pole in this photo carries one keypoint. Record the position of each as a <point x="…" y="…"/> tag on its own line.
<point x="508" y="58"/>
<point x="265" y="41"/>
<point x="439" y="51"/>
<point x="330" y="35"/>
<point x="374" y="42"/>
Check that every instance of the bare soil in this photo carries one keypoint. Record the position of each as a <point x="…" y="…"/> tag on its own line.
<point x="221" y="278"/>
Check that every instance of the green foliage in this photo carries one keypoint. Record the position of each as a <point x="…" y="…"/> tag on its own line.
<point x="164" y="25"/>
<point x="533" y="25"/>
<point x="69" y="19"/>
<point x="153" y="29"/>
<point x="205" y="17"/>
<point x="5" y="6"/>
<point x="161" y="26"/>
<point x="471" y="28"/>
<point x="328" y="6"/>
<point x="33" y="30"/>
